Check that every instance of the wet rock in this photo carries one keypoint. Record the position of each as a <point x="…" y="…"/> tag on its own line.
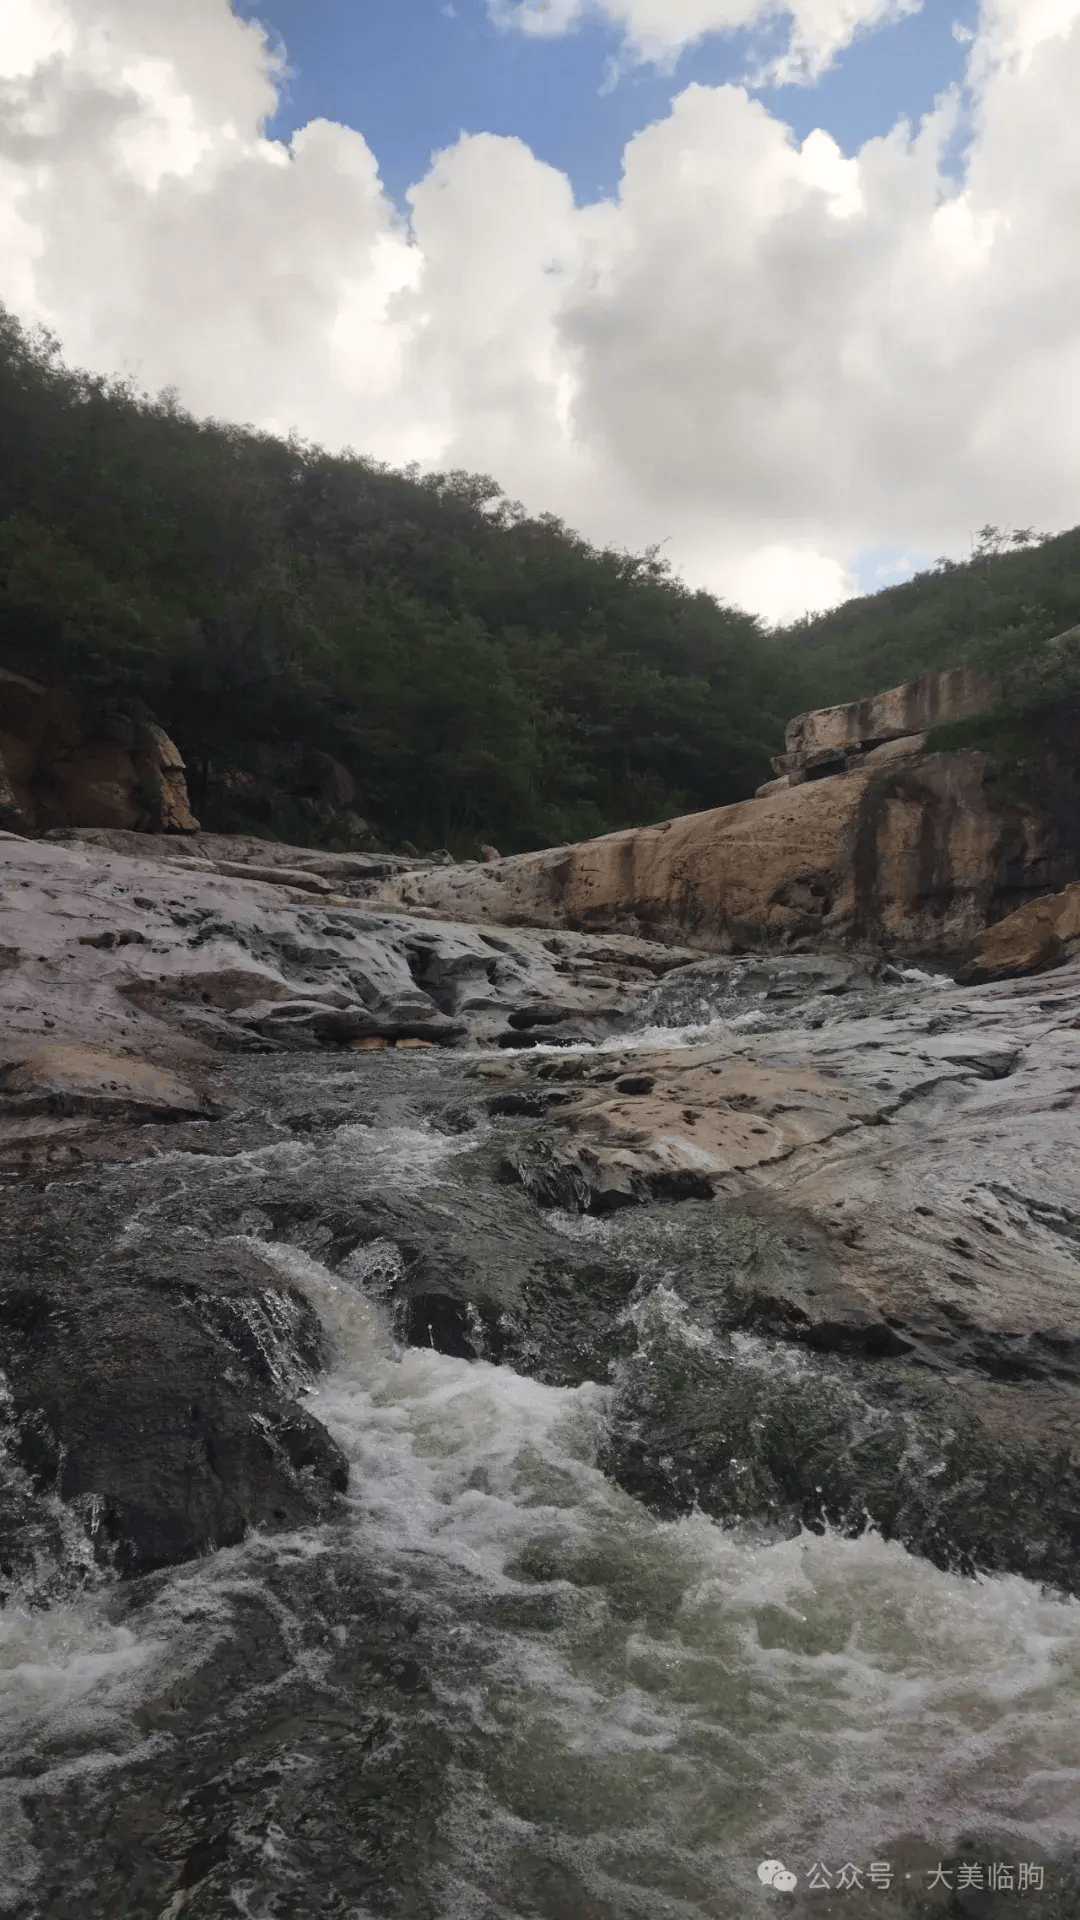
<point x="974" y="1473"/>
<point x="865" y="1303"/>
<point x="168" y="963"/>
<point x="154" y="1395"/>
<point x="66" y="1079"/>
<point x="295" y="1738"/>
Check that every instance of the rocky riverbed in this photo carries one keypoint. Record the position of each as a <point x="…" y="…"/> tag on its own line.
<point x="510" y="1422"/>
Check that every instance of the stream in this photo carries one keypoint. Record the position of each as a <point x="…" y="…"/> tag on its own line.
<point x="502" y="1684"/>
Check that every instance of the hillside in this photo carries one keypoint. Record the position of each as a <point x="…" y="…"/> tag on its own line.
<point x="997" y="609"/>
<point x="457" y="671"/>
<point x="482" y="675"/>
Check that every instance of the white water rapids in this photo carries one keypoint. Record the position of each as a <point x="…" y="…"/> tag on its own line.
<point x="698" y="1698"/>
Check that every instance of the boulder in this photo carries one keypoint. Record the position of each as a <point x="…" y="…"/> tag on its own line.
<point x="63" y="765"/>
<point x="169" y="1424"/>
<point x="1036" y="936"/>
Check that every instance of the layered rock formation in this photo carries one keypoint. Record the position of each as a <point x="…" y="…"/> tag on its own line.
<point x="834" y="739"/>
<point x="874" y="1170"/>
<point x="121" y="979"/>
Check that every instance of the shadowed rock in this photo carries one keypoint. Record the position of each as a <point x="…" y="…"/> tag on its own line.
<point x="155" y="1395"/>
<point x="1036" y="936"/>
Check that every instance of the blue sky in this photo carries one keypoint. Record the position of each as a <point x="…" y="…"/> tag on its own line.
<point x="411" y="75"/>
<point x="807" y="361"/>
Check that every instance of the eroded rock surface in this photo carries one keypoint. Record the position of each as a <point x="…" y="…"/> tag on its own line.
<point x="811" y="1217"/>
<point x="868" y="1264"/>
<point x="913" y="852"/>
<point x="119" y="974"/>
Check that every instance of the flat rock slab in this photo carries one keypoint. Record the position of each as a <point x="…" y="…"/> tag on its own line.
<point x="654" y="1123"/>
<point x="71" y="1078"/>
<point x="925" y="1163"/>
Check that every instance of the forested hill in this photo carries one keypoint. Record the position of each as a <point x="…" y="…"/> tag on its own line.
<point x="1014" y="592"/>
<point x="483" y="674"/>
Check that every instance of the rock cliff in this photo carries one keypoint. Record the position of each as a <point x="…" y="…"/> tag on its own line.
<point x="832" y="739"/>
<point x="911" y="851"/>
<point x="61" y="764"/>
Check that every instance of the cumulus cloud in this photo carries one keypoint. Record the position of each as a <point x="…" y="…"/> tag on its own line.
<point x="659" y="30"/>
<point x="774" y="356"/>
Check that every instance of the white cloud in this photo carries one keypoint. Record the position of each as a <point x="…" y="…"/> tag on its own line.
<point x="778" y="356"/>
<point x="782" y="582"/>
<point x="659" y="30"/>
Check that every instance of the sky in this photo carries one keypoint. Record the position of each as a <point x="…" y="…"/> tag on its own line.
<point x="790" y="289"/>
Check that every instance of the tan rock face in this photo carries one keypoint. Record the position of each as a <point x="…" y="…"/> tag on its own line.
<point x="954" y="694"/>
<point x="911" y="851"/>
<point x="161" y="773"/>
<point x="56" y="771"/>
<point x="1037" y="935"/>
<point x="674" y="1122"/>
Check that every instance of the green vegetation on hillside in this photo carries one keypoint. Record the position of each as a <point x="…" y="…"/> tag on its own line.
<point x="483" y="674"/>
<point x="996" y="611"/>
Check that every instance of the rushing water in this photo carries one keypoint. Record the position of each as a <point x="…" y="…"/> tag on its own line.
<point x="500" y="1688"/>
